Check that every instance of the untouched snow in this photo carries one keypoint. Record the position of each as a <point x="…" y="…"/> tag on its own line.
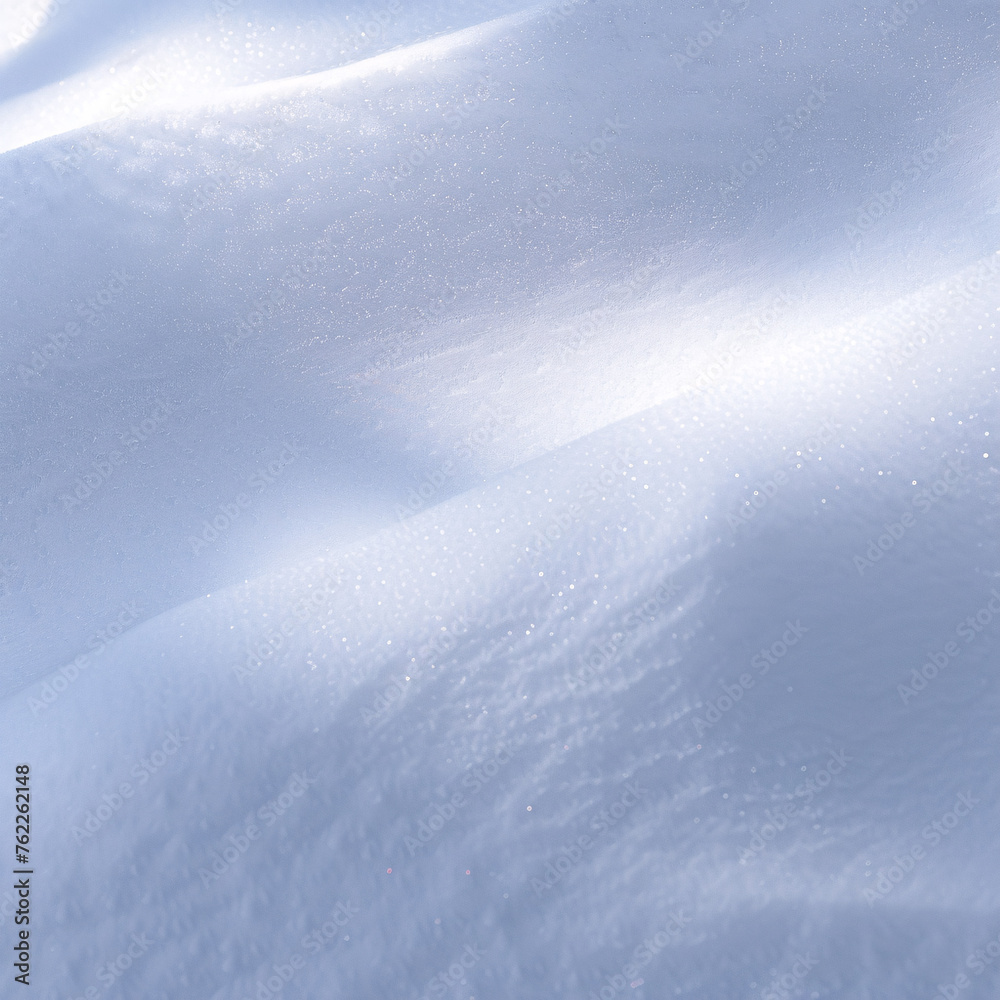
<point x="552" y="391"/>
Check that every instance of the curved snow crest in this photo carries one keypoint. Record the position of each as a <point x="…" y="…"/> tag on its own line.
<point x="152" y="85"/>
<point x="356" y="742"/>
<point x="913" y="330"/>
<point x="400" y="60"/>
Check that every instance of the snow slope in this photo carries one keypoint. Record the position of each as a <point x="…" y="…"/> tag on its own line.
<point x="485" y="331"/>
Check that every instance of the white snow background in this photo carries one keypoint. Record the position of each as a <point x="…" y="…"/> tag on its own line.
<point x="461" y="397"/>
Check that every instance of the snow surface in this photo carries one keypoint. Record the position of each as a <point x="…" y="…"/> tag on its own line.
<point x="537" y="431"/>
